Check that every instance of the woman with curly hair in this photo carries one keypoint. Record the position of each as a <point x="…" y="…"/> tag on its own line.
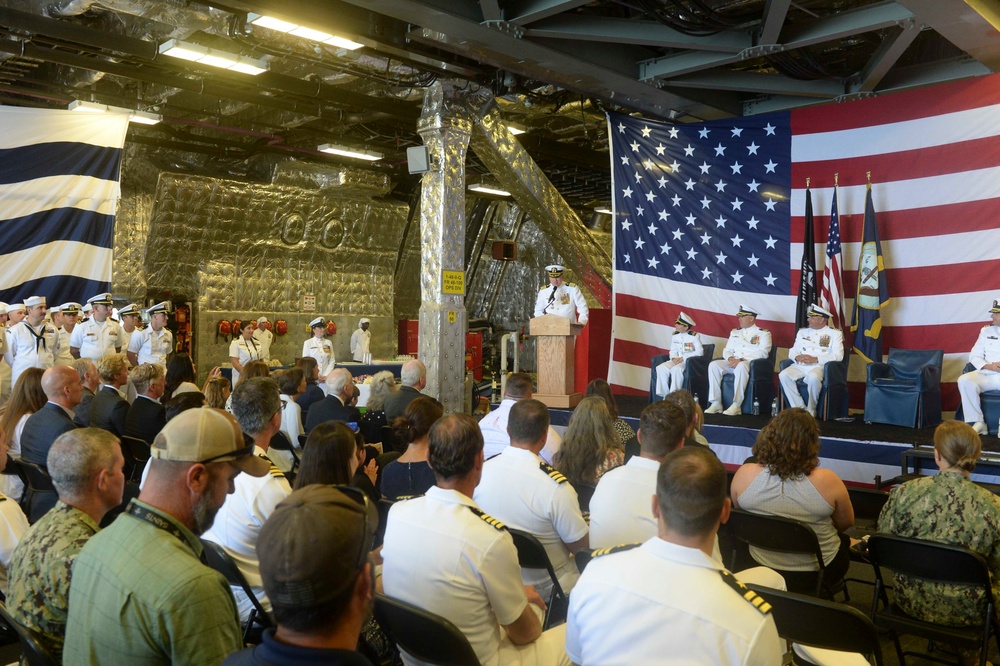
<point x="590" y="446"/>
<point x="410" y="474"/>
<point x="785" y="480"/>
<point x="382" y="386"/>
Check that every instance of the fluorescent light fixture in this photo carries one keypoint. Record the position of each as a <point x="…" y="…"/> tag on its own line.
<point x="515" y="128"/>
<point x="204" y="55"/>
<point x="356" y="153"/>
<point x="603" y="209"/>
<point x="141" y="117"/>
<point x="483" y="188"/>
<point x="302" y="31"/>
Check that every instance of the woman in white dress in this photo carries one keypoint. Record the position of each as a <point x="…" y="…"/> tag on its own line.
<point x="26" y="399"/>
<point x="321" y="349"/>
<point x="242" y="350"/>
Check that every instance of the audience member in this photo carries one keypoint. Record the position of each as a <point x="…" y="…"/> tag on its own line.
<point x="951" y="509"/>
<point x="63" y="391"/>
<point x="86" y="468"/>
<point x="257" y="408"/>
<point x="786" y="481"/>
<point x="445" y="555"/>
<point x="413" y="376"/>
<point x="319" y="577"/>
<point x="217" y="392"/>
<point x="409" y="474"/>
<point x="334" y="406"/>
<point x="146" y="417"/>
<point x="329" y="456"/>
<point x="140" y="593"/>
<point x="383" y="384"/>
<point x="183" y="402"/>
<point x="494" y="424"/>
<point x="251" y="370"/>
<point x="109" y="409"/>
<point x="526" y="493"/>
<point x="620" y="510"/>
<point x="291" y="384"/>
<point x="590" y="446"/>
<point x="180" y="376"/>
<point x="669" y="600"/>
<point x="13" y="525"/>
<point x="685" y="400"/>
<point x="91" y="382"/>
<point x="313" y="392"/>
<point x="26" y="399"/>
<point x="600" y="388"/>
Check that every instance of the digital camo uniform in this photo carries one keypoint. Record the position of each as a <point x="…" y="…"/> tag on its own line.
<point x="826" y="344"/>
<point x="749" y="344"/>
<point x="565" y="300"/>
<point x="972" y="384"/>
<point x="38" y="596"/>
<point x="683" y="345"/>
<point x="950" y="509"/>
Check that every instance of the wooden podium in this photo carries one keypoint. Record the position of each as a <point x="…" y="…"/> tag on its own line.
<point x="555" y="337"/>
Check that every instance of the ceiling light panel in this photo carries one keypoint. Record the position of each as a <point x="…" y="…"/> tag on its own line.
<point x="302" y="31"/>
<point x="204" y="55"/>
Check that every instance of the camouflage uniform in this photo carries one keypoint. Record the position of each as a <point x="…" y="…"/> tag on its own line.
<point x="40" y="572"/>
<point x="951" y="509"/>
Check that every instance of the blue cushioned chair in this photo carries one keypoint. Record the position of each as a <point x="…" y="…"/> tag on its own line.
<point x="695" y="374"/>
<point x="990" y="402"/>
<point x="760" y="385"/>
<point x="906" y="391"/>
<point x="833" y="401"/>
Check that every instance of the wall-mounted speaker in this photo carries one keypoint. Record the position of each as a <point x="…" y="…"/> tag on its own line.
<point x="418" y="159"/>
<point x="504" y="250"/>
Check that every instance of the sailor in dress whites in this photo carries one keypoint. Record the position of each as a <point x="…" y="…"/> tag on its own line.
<point x="684" y="344"/>
<point x="561" y="299"/>
<point x="69" y="313"/>
<point x="155" y="342"/>
<point x="985" y="357"/>
<point x="263" y="337"/>
<point x="746" y="343"/>
<point x="32" y="343"/>
<point x="13" y="313"/>
<point x="361" y="340"/>
<point x="242" y="350"/>
<point x="98" y="335"/>
<point x="4" y="368"/>
<point x="814" y="347"/>
<point x="321" y="349"/>
<point x="129" y="317"/>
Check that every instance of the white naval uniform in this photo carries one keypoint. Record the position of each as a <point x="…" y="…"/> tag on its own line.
<point x="238" y="524"/>
<point x="971" y="384"/>
<point x="664" y="602"/>
<point x="670" y="375"/>
<point x="826" y="344"/>
<point x="621" y="510"/>
<point x="291" y="425"/>
<point x="320" y="349"/>
<point x="25" y="350"/>
<point x="746" y="343"/>
<point x="524" y="492"/>
<point x="4" y="367"/>
<point x="263" y="338"/>
<point x="244" y="351"/>
<point x="567" y="301"/>
<point x="64" y="357"/>
<point x="443" y="554"/>
<point x="151" y="346"/>
<point x="95" y="339"/>
<point x="361" y="342"/>
<point x="496" y="439"/>
<point x="13" y="525"/>
<point x="127" y="337"/>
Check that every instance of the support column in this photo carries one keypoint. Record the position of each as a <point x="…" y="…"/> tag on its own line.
<point x="445" y="126"/>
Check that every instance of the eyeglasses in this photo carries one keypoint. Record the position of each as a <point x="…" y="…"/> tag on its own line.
<point x="232" y="455"/>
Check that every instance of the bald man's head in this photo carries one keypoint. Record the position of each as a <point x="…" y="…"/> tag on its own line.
<point x="62" y="386"/>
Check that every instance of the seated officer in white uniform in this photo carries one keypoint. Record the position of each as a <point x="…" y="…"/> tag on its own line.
<point x="445" y="555"/>
<point x="669" y="600"/>
<point x="814" y="347"/>
<point x="561" y="299"/>
<point x="684" y="344"/>
<point x="746" y="343"/>
<point x="526" y="493"/>
<point x="985" y="357"/>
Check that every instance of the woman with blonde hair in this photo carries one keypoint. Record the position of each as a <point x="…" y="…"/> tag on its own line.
<point x="602" y="389"/>
<point x="26" y="399"/>
<point x="217" y="393"/>
<point x="947" y="507"/>
<point x="786" y="480"/>
<point x="590" y="445"/>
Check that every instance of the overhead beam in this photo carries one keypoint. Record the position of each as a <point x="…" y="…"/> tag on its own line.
<point x="629" y="31"/>
<point x="527" y="11"/>
<point x="774" y="19"/>
<point x="770" y="84"/>
<point x="491" y="10"/>
<point x="971" y="25"/>
<point x="884" y="58"/>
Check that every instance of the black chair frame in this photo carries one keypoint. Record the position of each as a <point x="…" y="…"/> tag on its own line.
<point x="32" y="650"/>
<point x="531" y="555"/>
<point x="695" y="374"/>
<point x="422" y="634"/>
<point x="40" y="494"/>
<point x="932" y="561"/>
<point x="136" y="452"/>
<point x="221" y="561"/>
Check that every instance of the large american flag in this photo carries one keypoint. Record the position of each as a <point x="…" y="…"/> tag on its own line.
<point x="723" y="208"/>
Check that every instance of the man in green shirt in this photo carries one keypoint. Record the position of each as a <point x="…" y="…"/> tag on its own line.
<point x="140" y="594"/>
<point x="86" y="469"/>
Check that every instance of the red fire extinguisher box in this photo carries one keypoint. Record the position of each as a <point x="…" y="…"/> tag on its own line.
<point x="409" y="343"/>
<point x="409" y="338"/>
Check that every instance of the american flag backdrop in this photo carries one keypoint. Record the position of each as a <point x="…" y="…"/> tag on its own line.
<point x="708" y="216"/>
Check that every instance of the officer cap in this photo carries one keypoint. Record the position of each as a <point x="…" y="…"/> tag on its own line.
<point x="685" y="318"/>
<point x="817" y="311"/>
<point x="744" y="310"/>
<point x="554" y="270"/>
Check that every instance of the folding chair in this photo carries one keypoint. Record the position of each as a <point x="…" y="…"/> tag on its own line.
<point x="422" y="634"/>
<point x="217" y="558"/>
<point x="582" y="558"/>
<point x="34" y="653"/>
<point x="817" y="623"/>
<point x="40" y="494"/>
<point x="937" y="562"/>
<point x="531" y="555"/>
<point x="136" y="452"/>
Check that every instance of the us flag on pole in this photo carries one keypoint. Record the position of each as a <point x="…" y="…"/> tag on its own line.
<point x="831" y="293"/>
<point x="934" y="157"/>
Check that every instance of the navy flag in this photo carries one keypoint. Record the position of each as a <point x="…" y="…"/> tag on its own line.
<point x="873" y="292"/>
<point x="807" y="276"/>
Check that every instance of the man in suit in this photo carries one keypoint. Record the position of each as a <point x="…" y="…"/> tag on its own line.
<point x="62" y="387"/>
<point x="334" y="407"/>
<point x="413" y="375"/>
<point x="109" y="409"/>
<point x="91" y="382"/>
<point x="146" y="417"/>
